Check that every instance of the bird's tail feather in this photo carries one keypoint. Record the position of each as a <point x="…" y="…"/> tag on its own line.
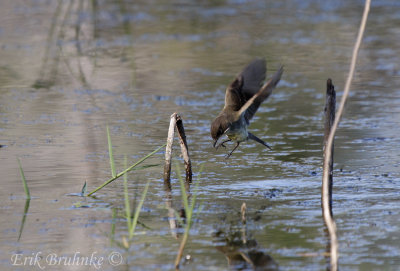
<point x="253" y="137"/>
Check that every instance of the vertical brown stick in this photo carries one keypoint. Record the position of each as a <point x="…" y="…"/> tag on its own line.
<point x="167" y="176"/>
<point x="176" y="120"/>
<point x="185" y="151"/>
<point x="168" y="153"/>
<point x="244" y="226"/>
<point x="327" y="185"/>
<point x="330" y="109"/>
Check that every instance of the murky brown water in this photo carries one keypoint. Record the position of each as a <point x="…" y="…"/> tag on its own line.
<point x="68" y="69"/>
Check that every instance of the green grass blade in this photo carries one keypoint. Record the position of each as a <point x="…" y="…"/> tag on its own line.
<point x="21" y="228"/>
<point x="189" y="213"/>
<point x="113" y="221"/>
<point x="28" y="195"/>
<point x="83" y="191"/>
<point x="126" y="197"/>
<point x="126" y="170"/>
<point x="137" y="211"/>
<point x="178" y="217"/>
<point x="110" y="153"/>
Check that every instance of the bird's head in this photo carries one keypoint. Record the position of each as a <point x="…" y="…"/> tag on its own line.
<point x="218" y="128"/>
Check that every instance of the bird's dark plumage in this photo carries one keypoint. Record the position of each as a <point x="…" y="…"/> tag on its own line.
<point x="242" y="99"/>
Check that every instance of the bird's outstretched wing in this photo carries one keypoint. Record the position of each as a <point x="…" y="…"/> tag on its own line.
<point x="245" y="85"/>
<point x="253" y="76"/>
<point x="234" y="98"/>
<point x="251" y="106"/>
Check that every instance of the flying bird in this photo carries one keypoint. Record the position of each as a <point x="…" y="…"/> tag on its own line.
<point x="242" y="99"/>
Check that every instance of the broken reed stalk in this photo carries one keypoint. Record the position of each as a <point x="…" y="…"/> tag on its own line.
<point x="168" y="153"/>
<point x="167" y="176"/>
<point x="330" y="223"/>
<point x="176" y="121"/>
<point x="330" y="109"/>
<point x="185" y="151"/>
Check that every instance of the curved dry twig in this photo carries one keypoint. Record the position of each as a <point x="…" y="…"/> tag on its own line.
<point x="330" y="223"/>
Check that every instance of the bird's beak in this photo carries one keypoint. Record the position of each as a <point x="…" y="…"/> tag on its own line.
<point x="215" y="142"/>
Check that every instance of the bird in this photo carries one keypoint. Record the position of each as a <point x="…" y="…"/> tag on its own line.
<point x="242" y="99"/>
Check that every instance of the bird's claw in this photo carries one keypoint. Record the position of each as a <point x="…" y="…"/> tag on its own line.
<point x="222" y="144"/>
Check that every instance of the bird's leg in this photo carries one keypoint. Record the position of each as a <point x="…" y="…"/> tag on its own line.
<point x="222" y="144"/>
<point x="237" y="145"/>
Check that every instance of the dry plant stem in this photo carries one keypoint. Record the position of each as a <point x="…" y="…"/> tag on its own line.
<point x="185" y="151"/>
<point x="176" y="120"/>
<point x="330" y="108"/>
<point x="330" y="223"/>
<point x="243" y="212"/>
<point x="243" y="216"/>
<point x="180" y="252"/>
<point x="167" y="176"/>
<point x="168" y="153"/>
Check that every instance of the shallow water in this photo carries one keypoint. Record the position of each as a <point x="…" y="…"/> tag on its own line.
<point x="69" y="69"/>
